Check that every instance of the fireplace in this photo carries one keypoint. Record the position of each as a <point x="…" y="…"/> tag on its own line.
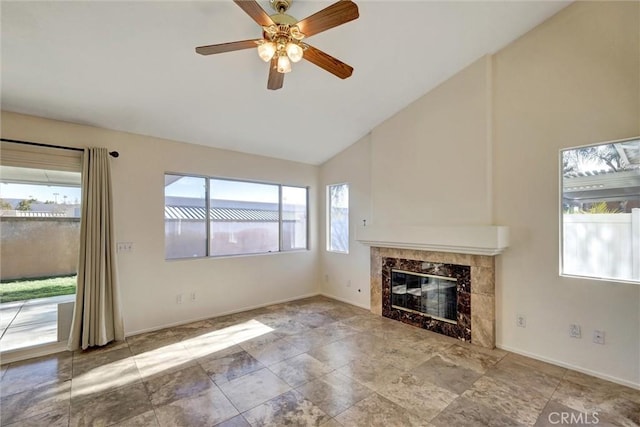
<point x="430" y="295"/>
<point x="448" y="293"/>
<point x="425" y="294"/>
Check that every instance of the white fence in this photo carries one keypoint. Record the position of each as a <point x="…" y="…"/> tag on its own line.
<point x="602" y="245"/>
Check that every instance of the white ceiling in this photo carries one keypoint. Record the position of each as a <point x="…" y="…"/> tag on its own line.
<point x="131" y="66"/>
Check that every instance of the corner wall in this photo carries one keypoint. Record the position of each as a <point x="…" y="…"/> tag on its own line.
<point x="346" y="276"/>
<point x="149" y="284"/>
<point x="482" y="148"/>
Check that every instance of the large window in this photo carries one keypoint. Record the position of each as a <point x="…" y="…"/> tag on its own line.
<point x="338" y="218"/>
<point x="221" y="217"/>
<point x="600" y="218"/>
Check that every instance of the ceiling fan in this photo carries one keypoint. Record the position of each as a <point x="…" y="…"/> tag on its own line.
<point x="282" y="35"/>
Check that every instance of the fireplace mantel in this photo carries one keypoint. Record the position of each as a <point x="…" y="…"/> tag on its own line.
<point x="467" y="239"/>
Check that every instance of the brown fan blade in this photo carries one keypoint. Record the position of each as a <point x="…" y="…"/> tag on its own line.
<point x="329" y="17"/>
<point x="253" y="9"/>
<point x="227" y="47"/>
<point x="276" y="79"/>
<point x="327" y="62"/>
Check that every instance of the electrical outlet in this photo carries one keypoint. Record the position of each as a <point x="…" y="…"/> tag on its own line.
<point x="574" y="331"/>
<point x="521" y="321"/>
<point x="349" y="283"/>
<point x="193" y="296"/>
<point x="326" y="278"/>
<point x="598" y="337"/>
<point x="179" y="299"/>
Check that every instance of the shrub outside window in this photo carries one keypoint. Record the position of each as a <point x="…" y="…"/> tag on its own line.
<point x="600" y="211"/>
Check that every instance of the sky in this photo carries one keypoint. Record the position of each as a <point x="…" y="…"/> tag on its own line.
<point x="234" y="190"/>
<point x="42" y="193"/>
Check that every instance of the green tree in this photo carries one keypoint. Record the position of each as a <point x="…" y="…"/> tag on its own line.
<point x="4" y="205"/>
<point x="25" y="205"/>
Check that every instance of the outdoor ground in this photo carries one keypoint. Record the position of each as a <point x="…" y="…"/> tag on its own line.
<point x="20" y="290"/>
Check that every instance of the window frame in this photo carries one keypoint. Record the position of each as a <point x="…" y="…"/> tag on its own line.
<point x="559" y="210"/>
<point x="329" y="221"/>
<point x="208" y="179"/>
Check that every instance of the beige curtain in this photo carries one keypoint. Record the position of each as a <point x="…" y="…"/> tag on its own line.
<point x="97" y="317"/>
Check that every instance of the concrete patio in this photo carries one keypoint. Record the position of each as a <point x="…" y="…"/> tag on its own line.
<point x="30" y="323"/>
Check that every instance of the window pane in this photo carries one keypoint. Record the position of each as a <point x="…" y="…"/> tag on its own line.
<point x="185" y="232"/>
<point x="601" y="211"/>
<point x="245" y="217"/>
<point x="294" y="218"/>
<point x="338" y="218"/>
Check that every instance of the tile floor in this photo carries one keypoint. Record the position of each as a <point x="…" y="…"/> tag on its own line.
<point x="30" y="323"/>
<point x="309" y="362"/>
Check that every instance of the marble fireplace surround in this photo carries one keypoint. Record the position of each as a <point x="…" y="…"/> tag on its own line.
<point x="481" y="328"/>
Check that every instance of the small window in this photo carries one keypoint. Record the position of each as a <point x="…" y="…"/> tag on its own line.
<point x="600" y="218"/>
<point x="237" y="217"/>
<point x="338" y="218"/>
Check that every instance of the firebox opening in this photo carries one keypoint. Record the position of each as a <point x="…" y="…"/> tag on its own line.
<point x="428" y="295"/>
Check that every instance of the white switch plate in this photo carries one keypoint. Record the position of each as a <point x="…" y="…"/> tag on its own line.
<point x="124" y="247"/>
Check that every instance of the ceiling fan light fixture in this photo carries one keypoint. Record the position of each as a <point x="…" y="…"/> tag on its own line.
<point x="266" y="50"/>
<point x="284" y="65"/>
<point x="294" y="52"/>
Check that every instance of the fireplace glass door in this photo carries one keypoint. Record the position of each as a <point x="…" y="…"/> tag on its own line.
<point x="433" y="296"/>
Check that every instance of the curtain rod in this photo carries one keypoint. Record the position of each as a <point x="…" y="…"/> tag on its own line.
<point x="39" y="144"/>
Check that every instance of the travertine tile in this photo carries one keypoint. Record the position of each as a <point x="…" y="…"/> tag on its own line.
<point x="101" y="372"/>
<point x="331" y="360"/>
<point x="228" y="367"/>
<point x="188" y="382"/>
<point x="254" y="389"/>
<point x="299" y="369"/>
<point x="290" y="408"/>
<point x="376" y="411"/>
<point x="371" y="373"/>
<point x="110" y="408"/>
<point x="483" y="280"/>
<point x="55" y="418"/>
<point x="46" y="399"/>
<point x="446" y="374"/>
<point x="334" y="392"/>
<point x="418" y="396"/>
<point x="519" y="403"/>
<point x="33" y="373"/>
<point x="510" y="371"/>
<point x="207" y="408"/>
<point x="465" y="412"/>
<point x="148" y="419"/>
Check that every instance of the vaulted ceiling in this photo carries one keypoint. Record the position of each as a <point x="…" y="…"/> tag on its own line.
<point x="131" y="66"/>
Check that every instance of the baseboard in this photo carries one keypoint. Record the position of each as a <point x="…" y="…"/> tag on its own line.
<point x="224" y="313"/>
<point x="324" y="294"/>
<point x="31" y="352"/>
<point x="572" y="367"/>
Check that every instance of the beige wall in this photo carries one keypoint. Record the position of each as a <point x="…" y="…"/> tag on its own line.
<point x="342" y="275"/>
<point x="430" y="163"/>
<point x="572" y="81"/>
<point x="38" y="247"/>
<point x="150" y="284"/>
<point x="489" y="139"/>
